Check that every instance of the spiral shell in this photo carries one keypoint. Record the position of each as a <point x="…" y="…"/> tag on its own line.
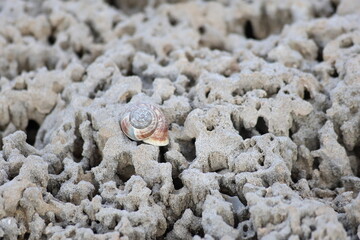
<point x="145" y="122"/>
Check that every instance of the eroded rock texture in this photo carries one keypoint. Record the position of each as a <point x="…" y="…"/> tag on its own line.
<point x="262" y="97"/>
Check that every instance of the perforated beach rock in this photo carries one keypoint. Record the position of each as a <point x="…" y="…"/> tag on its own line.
<point x="261" y="97"/>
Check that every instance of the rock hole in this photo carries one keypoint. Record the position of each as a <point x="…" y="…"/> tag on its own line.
<point x="26" y="235"/>
<point x="227" y="190"/>
<point x="128" y="98"/>
<point x="316" y="163"/>
<point x="334" y="6"/>
<point x="261" y="161"/>
<point x="96" y="157"/>
<point x="333" y="73"/>
<point x="307" y="94"/>
<point x="31" y="132"/>
<point x="248" y="30"/>
<point x="244" y="133"/>
<point x="258" y="106"/>
<point x="177" y="183"/>
<point x="192" y="81"/>
<point x="207" y="92"/>
<point x="78" y="142"/>
<point x="189" y="57"/>
<point x="95" y="34"/>
<point x="290" y="134"/>
<point x="202" y="30"/>
<point x="319" y="56"/>
<point x="51" y="39"/>
<point x="112" y="3"/>
<point x="126" y="173"/>
<point x="80" y="53"/>
<point x="53" y="186"/>
<point x="245" y="228"/>
<point x="200" y="232"/>
<point x="161" y="157"/>
<point x="312" y="144"/>
<point x="163" y="62"/>
<point x="210" y="128"/>
<point x="295" y="176"/>
<point x="237" y="92"/>
<point x="173" y="21"/>
<point x="188" y="149"/>
<point x="99" y="88"/>
<point x="261" y="126"/>
<point x="312" y="228"/>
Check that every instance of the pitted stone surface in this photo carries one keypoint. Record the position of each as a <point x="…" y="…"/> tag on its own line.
<point x="262" y="98"/>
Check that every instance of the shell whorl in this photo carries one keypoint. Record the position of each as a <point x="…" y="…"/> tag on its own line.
<point x="145" y="122"/>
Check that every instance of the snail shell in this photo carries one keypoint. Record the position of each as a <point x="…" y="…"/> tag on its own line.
<point x="145" y="122"/>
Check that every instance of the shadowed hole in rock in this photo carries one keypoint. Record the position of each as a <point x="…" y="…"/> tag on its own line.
<point x="210" y="128"/>
<point x="245" y="228"/>
<point x="312" y="228"/>
<point x="265" y="183"/>
<point x="248" y="30"/>
<point x="80" y="53"/>
<point x="162" y="151"/>
<point x="128" y="7"/>
<point x="51" y="39"/>
<point x="125" y="173"/>
<point x="261" y="161"/>
<point x="207" y="92"/>
<point x="177" y="183"/>
<point x="53" y="186"/>
<point x="172" y="20"/>
<point x="237" y="92"/>
<point x="112" y="3"/>
<point x="187" y="149"/>
<point x="244" y="133"/>
<point x="95" y="34"/>
<point x="357" y="151"/>
<point x="189" y="57"/>
<point x="192" y="81"/>
<point x="78" y="142"/>
<point x="312" y="144"/>
<point x="261" y="126"/>
<point x="31" y="132"/>
<point x="225" y="189"/>
<point x="319" y="56"/>
<point x="217" y="161"/>
<point x="96" y="156"/>
<point x="101" y="86"/>
<point x="316" y="163"/>
<point x="202" y="29"/>
<point x="164" y="62"/>
<point x="306" y="95"/>
<point x="295" y="175"/>
<point x="356" y="168"/>
<point x="334" y="73"/>
<point x="334" y="6"/>
<point x="290" y="134"/>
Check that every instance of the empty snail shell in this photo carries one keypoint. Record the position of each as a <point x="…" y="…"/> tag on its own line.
<point x="145" y="122"/>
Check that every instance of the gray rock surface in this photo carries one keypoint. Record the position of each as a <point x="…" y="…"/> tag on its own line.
<point x="262" y="98"/>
